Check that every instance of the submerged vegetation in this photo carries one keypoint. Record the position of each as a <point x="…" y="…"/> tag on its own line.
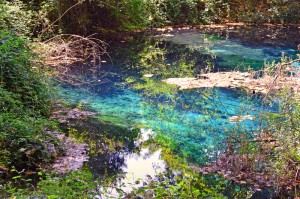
<point x="208" y="143"/>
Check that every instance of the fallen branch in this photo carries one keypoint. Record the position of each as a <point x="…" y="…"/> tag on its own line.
<point x="76" y="59"/>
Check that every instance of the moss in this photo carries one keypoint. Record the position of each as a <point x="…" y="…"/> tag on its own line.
<point x="152" y="87"/>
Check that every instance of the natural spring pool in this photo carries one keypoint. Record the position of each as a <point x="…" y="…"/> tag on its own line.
<point x="193" y="122"/>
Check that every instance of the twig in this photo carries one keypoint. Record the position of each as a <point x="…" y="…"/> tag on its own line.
<point x="76" y="58"/>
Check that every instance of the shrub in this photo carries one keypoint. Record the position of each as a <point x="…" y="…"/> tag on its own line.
<point x="23" y="142"/>
<point x="25" y="103"/>
<point x="21" y="78"/>
<point x="15" y="18"/>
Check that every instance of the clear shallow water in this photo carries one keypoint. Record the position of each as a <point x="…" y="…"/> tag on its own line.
<point x="195" y="121"/>
<point x="236" y="52"/>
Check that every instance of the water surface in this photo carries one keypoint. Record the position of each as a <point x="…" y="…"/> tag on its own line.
<point x="194" y="122"/>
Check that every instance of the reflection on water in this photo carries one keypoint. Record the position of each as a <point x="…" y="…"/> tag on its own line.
<point x="142" y="165"/>
<point x="186" y="52"/>
<point x="139" y="170"/>
<point x="230" y="53"/>
<point x="193" y="119"/>
<point x="118" y="153"/>
<point x="192" y="122"/>
<point x="259" y="36"/>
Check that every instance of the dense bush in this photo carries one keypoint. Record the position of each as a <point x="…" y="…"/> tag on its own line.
<point x="17" y="76"/>
<point x="15" y="17"/>
<point x="27" y="19"/>
<point x="23" y="142"/>
<point x="285" y="125"/>
<point x="24" y="105"/>
<point x="42" y="18"/>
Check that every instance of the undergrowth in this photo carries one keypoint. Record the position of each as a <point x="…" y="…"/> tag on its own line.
<point x="25" y="104"/>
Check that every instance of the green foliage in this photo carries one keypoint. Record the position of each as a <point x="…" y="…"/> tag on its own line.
<point x="24" y="19"/>
<point x="27" y="18"/>
<point x="24" y="105"/>
<point x="285" y="126"/>
<point x="132" y="14"/>
<point x="283" y="11"/>
<point x="21" y="78"/>
<point x="189" y="185"/>
<point x="256" y="11"/>
<point x="15" y="17"/>
<point x="23" y="143"/>
<point x="215" y="11"/>
<point x="77" y="184"/>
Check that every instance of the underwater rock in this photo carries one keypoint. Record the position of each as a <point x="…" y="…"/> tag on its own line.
<point x="235" y="119"/>
<point x="64" y="114"/>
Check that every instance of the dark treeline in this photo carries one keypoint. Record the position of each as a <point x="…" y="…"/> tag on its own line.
<point x="104" y="16"/>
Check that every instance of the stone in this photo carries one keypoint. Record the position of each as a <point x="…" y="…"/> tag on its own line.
<point x="74" y="158"/>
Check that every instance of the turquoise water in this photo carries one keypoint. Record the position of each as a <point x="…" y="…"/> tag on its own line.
<point x="239" y="52"/>
<point x="195" y="121"/>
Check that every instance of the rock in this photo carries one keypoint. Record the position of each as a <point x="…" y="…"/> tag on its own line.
<point x="74" y="158"/>
<point x="64" y="115"/>
<point x="50" y="150"/>
<point x="238" y="78"/>
<point x="148" y="75"/>
<point x="240" y="118"/>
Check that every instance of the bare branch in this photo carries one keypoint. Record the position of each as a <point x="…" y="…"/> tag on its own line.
<point x="76" y="59"/>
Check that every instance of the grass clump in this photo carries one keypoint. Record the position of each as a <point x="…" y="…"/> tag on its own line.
<point x="78" y="184"/>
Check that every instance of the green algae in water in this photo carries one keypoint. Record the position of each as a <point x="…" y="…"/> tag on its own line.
<point x="192" y="120"/>
<point x="115" y="119"/>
